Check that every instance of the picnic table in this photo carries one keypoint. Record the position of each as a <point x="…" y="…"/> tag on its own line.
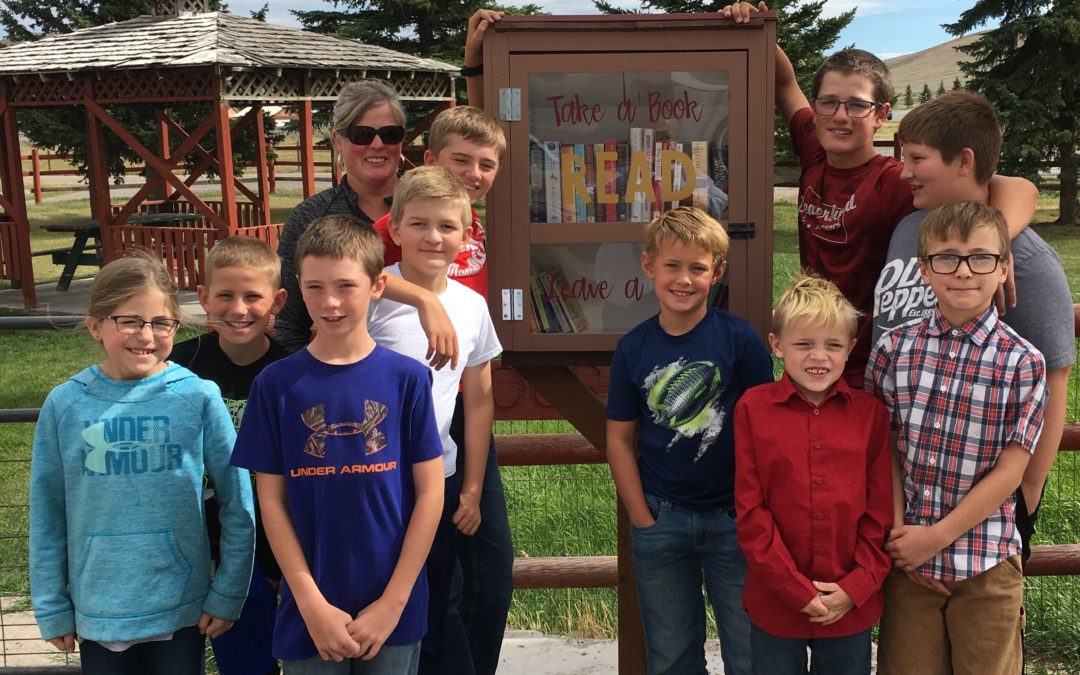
<point x="84" y="229"/>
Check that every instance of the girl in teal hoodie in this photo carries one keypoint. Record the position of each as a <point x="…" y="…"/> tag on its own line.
<point x="119" y="557"/>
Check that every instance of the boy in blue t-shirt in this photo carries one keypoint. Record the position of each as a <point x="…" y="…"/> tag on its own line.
<point x="343" y="439"/>
<point x="674" y="382"/>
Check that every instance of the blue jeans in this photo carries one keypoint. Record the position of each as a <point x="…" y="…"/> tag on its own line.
<point x="244" y="649"/>
<point x="391" y="660"/>
<point x="181" y="655"/>
<point x="847" y="655"/>
<point x="483" y="582"/>
<point x="669" y="558"/>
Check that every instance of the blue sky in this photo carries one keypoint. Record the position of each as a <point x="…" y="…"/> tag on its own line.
<point x="886" y="27"/>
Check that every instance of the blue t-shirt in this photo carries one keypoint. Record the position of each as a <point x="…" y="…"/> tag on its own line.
<point x="682" y="391"/>
<point x="345" y="438"/>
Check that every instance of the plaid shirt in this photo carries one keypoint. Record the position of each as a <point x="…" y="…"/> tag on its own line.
<point x="957" y="397"/>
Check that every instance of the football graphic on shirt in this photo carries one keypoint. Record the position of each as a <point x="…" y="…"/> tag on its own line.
<point x="685" y="397"/>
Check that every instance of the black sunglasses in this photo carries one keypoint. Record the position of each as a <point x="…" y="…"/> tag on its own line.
<point x="361" y="135"/>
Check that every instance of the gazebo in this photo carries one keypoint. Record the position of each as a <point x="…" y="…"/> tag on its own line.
<point x="183" y="54"/>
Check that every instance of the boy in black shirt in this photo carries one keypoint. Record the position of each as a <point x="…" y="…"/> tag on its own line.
<point x="241" y="295"/>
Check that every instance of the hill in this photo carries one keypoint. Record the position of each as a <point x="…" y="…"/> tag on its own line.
<point x="930" y="66"/>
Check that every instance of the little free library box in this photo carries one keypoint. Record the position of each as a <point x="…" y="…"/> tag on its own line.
<point x="611" y="120"/>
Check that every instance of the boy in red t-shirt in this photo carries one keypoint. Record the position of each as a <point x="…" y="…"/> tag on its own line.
<point x="850" y="197"/>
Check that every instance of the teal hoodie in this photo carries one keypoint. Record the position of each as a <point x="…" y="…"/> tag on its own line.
<point x="118" y="544"/>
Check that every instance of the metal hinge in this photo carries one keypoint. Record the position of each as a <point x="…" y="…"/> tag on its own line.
<point x="512" y="307"/>
<point x="741" y="230"/>
<point x="510" y="105"/>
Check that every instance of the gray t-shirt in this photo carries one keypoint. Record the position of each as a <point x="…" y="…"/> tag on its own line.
<point x="1044" y="312"/>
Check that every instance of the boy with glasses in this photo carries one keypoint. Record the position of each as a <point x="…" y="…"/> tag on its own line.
<point x="967" y="396"/>
<point x="951" y="147"/>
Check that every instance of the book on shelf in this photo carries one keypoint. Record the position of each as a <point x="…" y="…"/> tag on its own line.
<point x="718" y="172"/>
<point x="611" y="185"/>
<point x="590" y="183"/>
<point x="545" y="313"/>
<point x="553" y="181"/>
<point x="566" y="301"/>
<point x="537" y="195"/>
<point x="677" y="175"/>
<point x="622" y="170"/>
<point x="700" y="156"/>
<point x="561" y="323"/>
<point x="637" y="144"/>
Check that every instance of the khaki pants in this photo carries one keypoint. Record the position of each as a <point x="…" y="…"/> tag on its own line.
<point x="974" y="631"/>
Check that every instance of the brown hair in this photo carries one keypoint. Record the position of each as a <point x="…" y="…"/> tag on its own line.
<point x="472" y="124"/>
<point x="359" y="97"/>
<point x="954" y="121"/>
<point x="687" y="225"/>
<point x="961" y="219"/>
<point x="856" y="62"/>
<point x="816" y="300"/>
<point x="342" y="237"/>
<point x="127" y="277"/>
<point x="243" y="251"/>
<point x="431" y="182"/>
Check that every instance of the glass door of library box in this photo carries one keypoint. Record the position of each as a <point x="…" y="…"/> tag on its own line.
<point x="598" y="145"/>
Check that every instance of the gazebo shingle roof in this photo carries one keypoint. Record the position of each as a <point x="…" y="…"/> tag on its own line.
<point x="203" y="39"/>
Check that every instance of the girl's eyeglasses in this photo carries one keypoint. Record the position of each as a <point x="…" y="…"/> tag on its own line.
<point x="133" y="325"/>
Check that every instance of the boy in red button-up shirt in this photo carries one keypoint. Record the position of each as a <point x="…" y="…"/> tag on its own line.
<point x="813" y="493"/>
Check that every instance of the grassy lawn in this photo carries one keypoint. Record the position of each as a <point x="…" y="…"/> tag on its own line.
<point x="554" y="510"/>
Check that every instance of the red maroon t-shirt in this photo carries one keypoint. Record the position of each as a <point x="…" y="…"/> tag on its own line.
<point x="846" y="219"/>
<point x="470" y="265"/>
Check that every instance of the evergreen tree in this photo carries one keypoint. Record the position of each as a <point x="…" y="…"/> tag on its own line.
<point x="940" y="89"/>
<point x="957" y="85"/>
<point x="925" y="95"/>
<point x="1025" y="67"/>
<point x="430" y="28"/>
<point x="63" y="129"/>
<point x="909" y="97"/>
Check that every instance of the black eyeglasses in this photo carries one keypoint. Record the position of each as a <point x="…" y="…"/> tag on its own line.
<point x="133" y="325"/>
<point x="361" y="135"/>
<point x="978" y="263"/>
<point x="855" y="107"/>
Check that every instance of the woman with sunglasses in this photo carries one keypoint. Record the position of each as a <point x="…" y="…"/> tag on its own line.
<point x="368" y="130"/>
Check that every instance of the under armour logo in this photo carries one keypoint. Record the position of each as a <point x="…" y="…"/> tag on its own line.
<point x="374" y="440"/>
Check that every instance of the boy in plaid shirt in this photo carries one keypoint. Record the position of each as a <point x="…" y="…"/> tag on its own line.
<point x="966" y="395"/>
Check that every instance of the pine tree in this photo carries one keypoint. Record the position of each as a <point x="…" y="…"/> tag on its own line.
<point x="940" y="89"/>
<point x="1026" y="68"/>
<point x="909" y="98"/>
<point x="957" y="85"/>
<point x="925" y="95"/>
<point x="430" y="28"/>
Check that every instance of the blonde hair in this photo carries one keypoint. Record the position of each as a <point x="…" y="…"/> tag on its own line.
<point x="342" y="237"/>
<point x="472" y="124"/>
<point x="687" y="225"/>
<point x="820" y="302"/>
<point x="431" y="182"/>
<point x="359" y="97"/>
<point x="961" y="219"/>
<point x="130" y="276"/>
<point x="244" y="251"/>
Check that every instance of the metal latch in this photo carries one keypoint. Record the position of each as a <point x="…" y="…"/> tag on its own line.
<point x="510" y="105"/>
<point x="512" y="307"/>
<point x="741" y="230"/>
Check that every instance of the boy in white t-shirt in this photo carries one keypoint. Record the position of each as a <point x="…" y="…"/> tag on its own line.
<point x="429" y="219"/>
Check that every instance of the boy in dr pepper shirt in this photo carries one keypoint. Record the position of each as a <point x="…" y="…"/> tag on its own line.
<point x="813" y="494"/>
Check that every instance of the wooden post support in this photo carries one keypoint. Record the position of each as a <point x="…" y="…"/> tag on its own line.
<point x="98" y="176"/>
<point x="260" y="167"/>
<point x="307" y="149"/>
<point x="225" y="168"/>
<point x="35" y="162"/>
<point x="13" y="200"/>
<point x="584" y="409"/>
<point x="163" y="139"/>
